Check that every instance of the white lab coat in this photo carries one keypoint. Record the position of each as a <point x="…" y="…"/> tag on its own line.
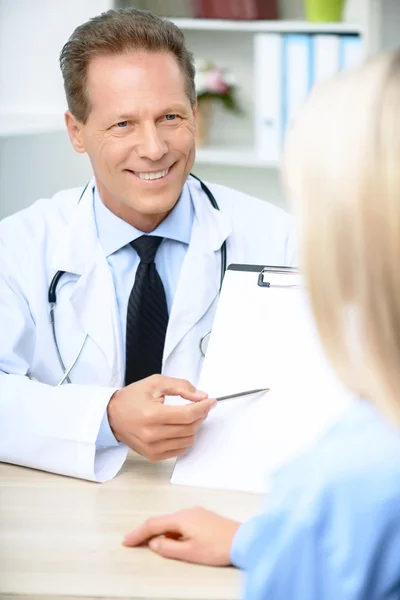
<point x="55" y="428"/>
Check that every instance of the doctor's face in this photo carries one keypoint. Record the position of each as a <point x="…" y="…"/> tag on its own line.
<point x="140" y="134"/>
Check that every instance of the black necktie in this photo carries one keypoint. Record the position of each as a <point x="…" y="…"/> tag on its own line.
<point x="147" y="317"/>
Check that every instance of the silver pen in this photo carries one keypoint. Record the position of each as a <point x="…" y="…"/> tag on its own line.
<point x="239" y="394"/>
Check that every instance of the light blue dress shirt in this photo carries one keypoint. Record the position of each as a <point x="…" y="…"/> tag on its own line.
<point x="115" y="236"/>
<point x="331" y="530"/>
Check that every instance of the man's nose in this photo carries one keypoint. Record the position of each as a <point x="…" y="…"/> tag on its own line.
<point x="152" y="145"/>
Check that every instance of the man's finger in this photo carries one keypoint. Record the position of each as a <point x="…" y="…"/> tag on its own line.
<point x="175" y="444"/>
<point x="169" y="386"/>
<point x="187" y="414"/>
<point x="154" y="527"/>
<point x="160" y="433"/>
<point x="170" y="548"/>
<point x="169" y="432"/>
<point x="172" y="454"/>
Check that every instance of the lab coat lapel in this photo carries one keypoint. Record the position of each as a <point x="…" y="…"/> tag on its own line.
<point x="93" y="297"/>
<point x="199" y="280"/>
<point x="94" y="303"/>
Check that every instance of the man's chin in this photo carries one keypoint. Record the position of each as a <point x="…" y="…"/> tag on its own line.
<point x="149" y="206"/>
<point x="153" y="202"/>
<point x="155" y="209"/>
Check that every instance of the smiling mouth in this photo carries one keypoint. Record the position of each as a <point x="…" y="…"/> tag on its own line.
<point x="151" y="175"/>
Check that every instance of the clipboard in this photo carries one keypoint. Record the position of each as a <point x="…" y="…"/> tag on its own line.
<point x="263" y="337"/>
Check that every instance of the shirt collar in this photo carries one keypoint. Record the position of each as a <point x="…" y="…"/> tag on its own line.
<point x="114" y="233"/>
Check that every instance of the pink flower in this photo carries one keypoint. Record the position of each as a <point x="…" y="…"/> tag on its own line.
<point x="215" y="82"/>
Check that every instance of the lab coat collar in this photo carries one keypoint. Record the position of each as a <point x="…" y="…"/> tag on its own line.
<point x="217" y="224"/>
<point x="79" y="252"/>
<point x="199" y="280"/>
<point x="75" y="250"/>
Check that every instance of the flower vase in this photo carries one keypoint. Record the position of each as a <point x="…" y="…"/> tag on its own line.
<point x="204" y="118"/>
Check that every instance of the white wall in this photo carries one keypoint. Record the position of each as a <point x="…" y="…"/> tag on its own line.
<point x="32" y="33"/>
<point x="36" y="166"/>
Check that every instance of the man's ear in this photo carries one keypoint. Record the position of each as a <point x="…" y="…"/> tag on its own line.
<point x="75" y="132"/>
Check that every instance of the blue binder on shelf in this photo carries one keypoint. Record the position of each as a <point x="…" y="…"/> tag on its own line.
<point x="351" y="53"/>
<point x="297" y="74"/>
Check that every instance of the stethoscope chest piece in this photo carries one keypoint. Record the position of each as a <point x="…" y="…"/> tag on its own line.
<point x="203" y="345"/>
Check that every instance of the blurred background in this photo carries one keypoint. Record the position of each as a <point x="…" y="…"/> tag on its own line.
<point x="256" y="61"/>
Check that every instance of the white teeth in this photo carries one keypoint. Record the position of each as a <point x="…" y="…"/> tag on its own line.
<point x="155" y="175"/>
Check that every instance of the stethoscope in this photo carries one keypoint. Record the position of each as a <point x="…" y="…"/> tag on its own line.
<point x="52" y="297"/>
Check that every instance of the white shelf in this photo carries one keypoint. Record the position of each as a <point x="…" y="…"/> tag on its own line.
<point x="19" y="124"/>
<point x="268" y="26"/>
<point x="236" y="157"/>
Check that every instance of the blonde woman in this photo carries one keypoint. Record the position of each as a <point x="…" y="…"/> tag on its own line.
<point x="332" y="525"/>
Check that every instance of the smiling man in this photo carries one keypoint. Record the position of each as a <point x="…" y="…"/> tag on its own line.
<point x="106" y="292"/>
<point x="138" y="129"/>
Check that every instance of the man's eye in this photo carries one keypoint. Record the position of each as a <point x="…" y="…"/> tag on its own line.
<point x="170" y="117"/>
<point x="122" y="124"/>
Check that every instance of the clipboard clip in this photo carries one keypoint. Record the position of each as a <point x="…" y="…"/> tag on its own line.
<point x="280" y="271"/>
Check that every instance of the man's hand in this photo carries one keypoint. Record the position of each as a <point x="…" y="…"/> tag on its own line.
<point x="139" y="418"/>
<point x="195" y="535"/>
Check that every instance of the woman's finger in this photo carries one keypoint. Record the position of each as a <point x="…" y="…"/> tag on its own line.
<point x="172" y="548"/>
<point x="154" y="527"/>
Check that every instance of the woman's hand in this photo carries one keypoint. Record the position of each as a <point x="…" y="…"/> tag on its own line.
<point x="195" y="535"/>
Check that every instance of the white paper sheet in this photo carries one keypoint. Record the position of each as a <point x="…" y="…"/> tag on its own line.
<point x="262" y="337"/>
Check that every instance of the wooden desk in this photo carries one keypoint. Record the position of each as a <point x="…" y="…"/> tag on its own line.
<point x="60" y="538"/>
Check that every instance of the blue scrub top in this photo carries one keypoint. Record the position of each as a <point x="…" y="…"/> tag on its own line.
<point x="331" y="530"/>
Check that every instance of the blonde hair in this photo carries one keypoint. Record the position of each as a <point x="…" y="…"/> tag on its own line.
<point x="342" y="170"/>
